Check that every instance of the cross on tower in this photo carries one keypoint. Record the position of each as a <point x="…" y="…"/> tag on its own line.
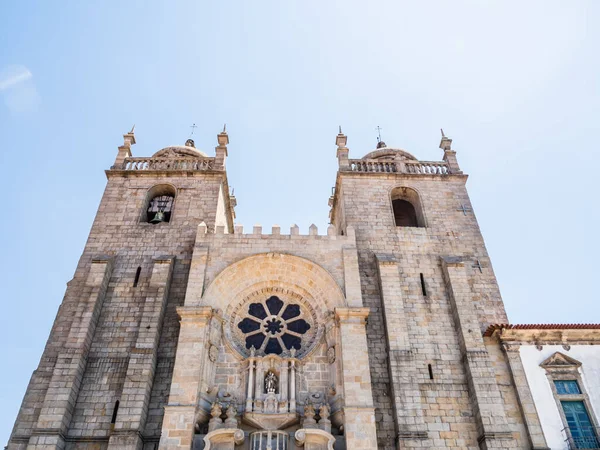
<point x="478" y="265"/>
<point x="378" y="133"/>
<point x="464" y="209"/>
<point x="193" y="127"/>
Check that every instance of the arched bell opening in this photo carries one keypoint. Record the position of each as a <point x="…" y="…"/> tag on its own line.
<point x="406" y="208"/>
<point x="159" y="204"/>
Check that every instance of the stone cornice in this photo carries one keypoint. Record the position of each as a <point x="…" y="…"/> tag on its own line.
<point x="352" y="315"/>
<point x="195" y="313"/>
<point x="534" y="336"/>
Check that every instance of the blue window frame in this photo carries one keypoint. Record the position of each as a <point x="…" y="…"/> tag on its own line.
<point x="567" y="387"/>
<point x="580" y="425"/>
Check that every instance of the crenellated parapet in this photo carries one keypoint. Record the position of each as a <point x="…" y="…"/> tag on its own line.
<point x="294" y="233"/>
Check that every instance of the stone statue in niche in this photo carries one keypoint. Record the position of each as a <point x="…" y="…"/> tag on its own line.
<point x="271" y="382"/>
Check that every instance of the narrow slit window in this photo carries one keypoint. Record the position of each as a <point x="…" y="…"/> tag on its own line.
<point x="137" y="276"/>
<point x="430" y="369"/>
<point x="423" y="288"/>
<point x="113" y="420"/>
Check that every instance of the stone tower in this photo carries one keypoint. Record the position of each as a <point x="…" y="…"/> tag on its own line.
<point x="180" y="331"/>
<point x="428" y="281"/>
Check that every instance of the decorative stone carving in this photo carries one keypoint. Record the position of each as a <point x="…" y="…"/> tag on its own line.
<point x="324" y="422"/>
<point x="314" y="439"/>
<point x="271" y="392"/>
<point x="231" y="421"/>
<point x="213" y="352"/>
<point x="270" y="404"/>
<point x="331" y="355"/>
<point x="309" y="416"/>
<point x="559" y="361"/>
<point x="215" y="422"/>
<point x="223" y="439"/>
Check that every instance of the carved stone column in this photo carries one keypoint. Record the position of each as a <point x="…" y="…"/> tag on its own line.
<point x="359" y="412"/>
<point x="249" y="397"/>
<point x="292" y="386"/>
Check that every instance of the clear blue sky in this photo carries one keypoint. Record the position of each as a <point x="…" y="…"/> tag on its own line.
<point x="515" y="84"/>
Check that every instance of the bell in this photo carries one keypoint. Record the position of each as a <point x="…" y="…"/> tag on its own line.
<point x="158" y="217"/>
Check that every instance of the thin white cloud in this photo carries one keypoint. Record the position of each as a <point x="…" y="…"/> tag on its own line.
<point x="18" y="89"/>
<point x="13" y="75"/>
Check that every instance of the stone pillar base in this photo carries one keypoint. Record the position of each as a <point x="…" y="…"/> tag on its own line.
<point x="223" y="439"/>
<point x="178" y="428"/>
<point x="314" y="439"/>
<point x="359" y="428"/>
<point x="125" y="440"/>
<point x="500" y="439"/>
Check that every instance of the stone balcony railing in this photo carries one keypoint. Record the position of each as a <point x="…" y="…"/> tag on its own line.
<point x="168" y="164"/>
<point x="400" y="166"/>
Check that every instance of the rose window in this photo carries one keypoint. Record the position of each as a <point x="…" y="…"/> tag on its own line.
<point x="274" y="326"/>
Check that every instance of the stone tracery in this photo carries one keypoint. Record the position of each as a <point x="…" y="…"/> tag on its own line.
<point x="274" y="321"/>
<point x="273" y="328"/>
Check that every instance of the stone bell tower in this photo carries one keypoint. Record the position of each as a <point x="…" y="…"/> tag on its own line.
<point x="103" y="379"/>
<point x="428" y="281"/>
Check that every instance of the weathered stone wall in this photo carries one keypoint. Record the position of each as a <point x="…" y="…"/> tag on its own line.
<point x="117" y="232"/>
<point x="447" y="412"/>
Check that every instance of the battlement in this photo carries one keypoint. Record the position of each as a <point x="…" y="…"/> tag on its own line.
<point x="257" y="232"/>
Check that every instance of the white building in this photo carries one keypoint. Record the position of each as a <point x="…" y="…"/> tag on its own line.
<point x="560" y="374"/>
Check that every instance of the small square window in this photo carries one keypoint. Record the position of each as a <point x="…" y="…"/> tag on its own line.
<point x="567" y="387"/>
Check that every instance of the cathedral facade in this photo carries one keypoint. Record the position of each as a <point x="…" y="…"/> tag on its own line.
<point x="182" y="330"/>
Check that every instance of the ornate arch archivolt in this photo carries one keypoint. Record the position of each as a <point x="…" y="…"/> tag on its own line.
<point x="292" y="278"/>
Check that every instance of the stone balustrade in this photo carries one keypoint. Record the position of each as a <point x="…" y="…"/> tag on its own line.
<point x="427" y="167"/>
<point x="400" y="166"/>
<point x="372" y="165"/>
<point x="168" y="164"/>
